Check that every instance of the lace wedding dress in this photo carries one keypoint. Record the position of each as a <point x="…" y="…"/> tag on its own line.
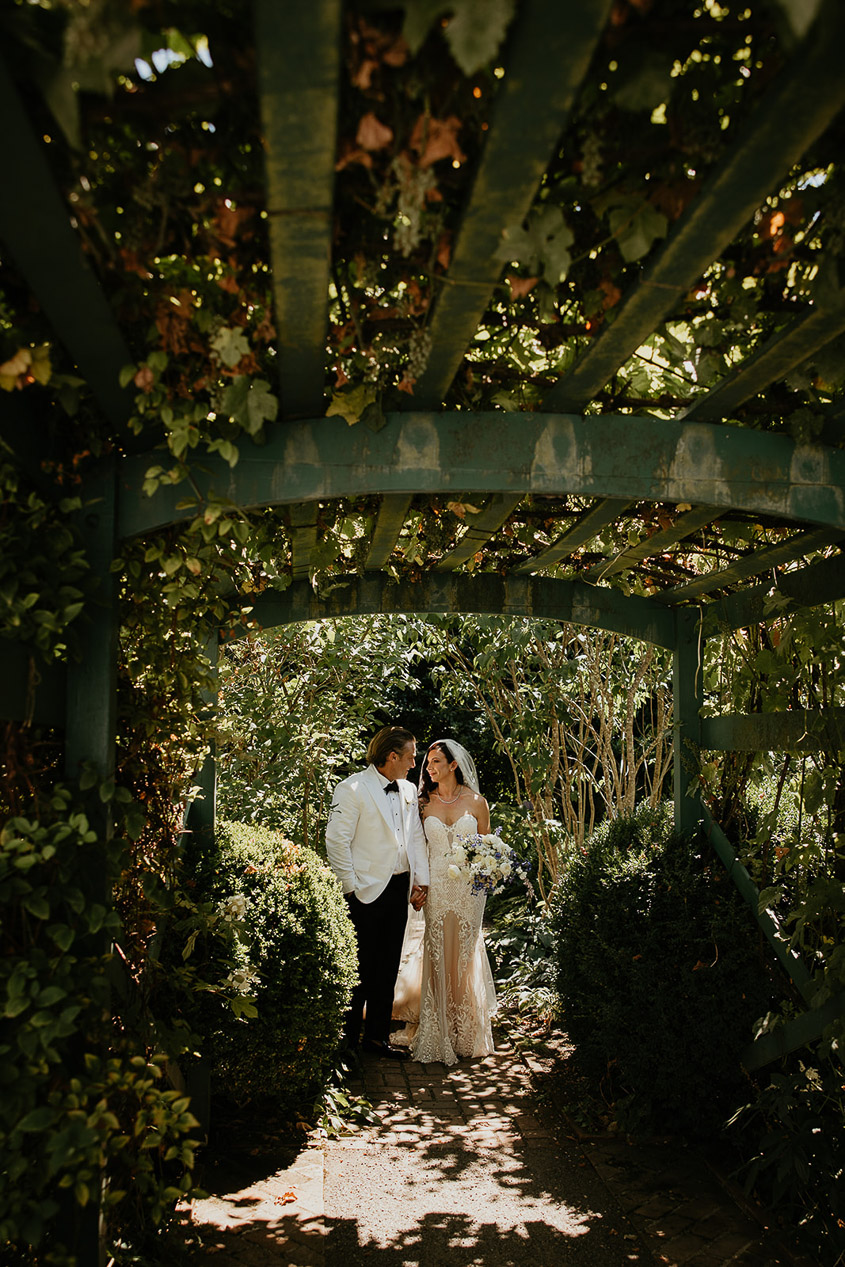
<point x="445" y="988"/>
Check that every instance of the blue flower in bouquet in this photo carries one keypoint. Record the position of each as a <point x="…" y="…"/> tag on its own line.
<point x="484" y="860"/>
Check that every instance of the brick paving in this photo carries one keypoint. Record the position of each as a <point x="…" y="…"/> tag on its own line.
<point x="472" y="1165"/>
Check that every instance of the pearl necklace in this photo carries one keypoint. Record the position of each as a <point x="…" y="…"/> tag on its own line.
<point x="443" y="800"/>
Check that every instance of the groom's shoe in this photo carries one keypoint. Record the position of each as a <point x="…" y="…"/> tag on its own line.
<point x="375" y="1047"/>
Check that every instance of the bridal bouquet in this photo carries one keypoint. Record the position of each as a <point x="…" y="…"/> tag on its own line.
<point x="486" y="861"/>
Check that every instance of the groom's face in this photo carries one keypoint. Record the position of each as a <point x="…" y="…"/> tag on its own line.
<point x="401" y="762"/>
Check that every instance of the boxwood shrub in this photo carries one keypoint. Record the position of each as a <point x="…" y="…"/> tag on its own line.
<point x="299" y="966"/>
<point x="660" y="973"/>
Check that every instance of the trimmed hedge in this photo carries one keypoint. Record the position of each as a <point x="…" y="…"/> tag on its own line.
<point x="299" y="941"/>
<point x="659" y="973"/>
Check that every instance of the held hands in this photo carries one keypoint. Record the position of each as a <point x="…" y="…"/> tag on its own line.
<point x="418" y="895"/>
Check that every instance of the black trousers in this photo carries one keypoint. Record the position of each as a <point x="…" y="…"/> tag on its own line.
<point x="379" y="930"/>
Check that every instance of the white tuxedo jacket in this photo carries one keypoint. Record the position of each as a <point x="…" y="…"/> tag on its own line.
<point x="361" y="841"/>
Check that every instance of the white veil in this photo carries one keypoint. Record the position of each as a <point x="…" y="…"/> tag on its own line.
<point x="464" y="760"/>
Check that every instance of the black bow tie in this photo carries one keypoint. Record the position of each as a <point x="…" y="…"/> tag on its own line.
<point x="391" y="787"/>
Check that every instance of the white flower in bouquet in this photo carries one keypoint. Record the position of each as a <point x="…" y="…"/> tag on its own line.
<point x="484" y="860"/>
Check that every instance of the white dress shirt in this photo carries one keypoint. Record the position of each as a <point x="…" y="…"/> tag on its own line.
<point x="402" y="863"/>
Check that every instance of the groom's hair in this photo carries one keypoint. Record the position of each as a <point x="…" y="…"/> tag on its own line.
<point x="389" y="739"/>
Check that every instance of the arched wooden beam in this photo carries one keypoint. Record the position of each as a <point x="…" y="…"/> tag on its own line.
<point x="619" y="456"/>
<point x="484" y="593"/>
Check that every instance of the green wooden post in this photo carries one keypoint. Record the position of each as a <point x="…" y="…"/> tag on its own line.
<point x="202" y="812"/>
<point x="688" y="695"/>
<point x="90" y="737"/>
<point x="200" y="821"/>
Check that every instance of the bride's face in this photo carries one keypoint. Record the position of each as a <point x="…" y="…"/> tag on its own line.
<point x="438" y="767"/>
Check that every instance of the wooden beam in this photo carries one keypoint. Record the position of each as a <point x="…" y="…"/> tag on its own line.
<point x="789" y="959"/>
<point x="753" y="564"/>
<point x="548" y="54"/>
<point x="35" y="225"/>
<point x="771" y="362"/>
<point x="798" y="730"/>
<point x="801" y="1030"/>
<point x="584" y="529"/>
<point x="484" y="592"/>
<point x="391" y="518"/>
<point x="656" y="544"/>
<point x="612" y="456"/>
<point x="801" y="102"/>
<point x="298" y="49"/>
<point x="822" y="582"/>
<point x="479" y="529"/>
<point x="687" y="693"/>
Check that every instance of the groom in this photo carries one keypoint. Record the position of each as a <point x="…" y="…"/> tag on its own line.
<point x="376" y="848"/>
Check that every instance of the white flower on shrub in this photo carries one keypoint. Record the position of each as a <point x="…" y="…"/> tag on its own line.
<point x="242" y="980"/>
<point x="234" y="907"/>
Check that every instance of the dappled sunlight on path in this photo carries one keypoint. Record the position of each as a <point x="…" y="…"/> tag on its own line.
<point x="472" y="1167"/>
<point x="460" y="1170"/>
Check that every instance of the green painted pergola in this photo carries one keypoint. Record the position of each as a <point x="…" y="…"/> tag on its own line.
<point x="700" y="468"/>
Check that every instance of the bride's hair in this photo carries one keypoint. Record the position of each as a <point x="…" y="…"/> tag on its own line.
<point x="427" y="786"/>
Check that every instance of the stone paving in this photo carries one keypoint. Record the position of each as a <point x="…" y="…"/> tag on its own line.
<point x="654" y="1203"/>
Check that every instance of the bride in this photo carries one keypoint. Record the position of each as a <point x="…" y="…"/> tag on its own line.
<point x="445" y="991"/>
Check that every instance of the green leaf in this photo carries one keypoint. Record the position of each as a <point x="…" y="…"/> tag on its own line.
<point x="636" y="226"/>
<point x="250" y="403"/>
<point x="230" y="346"/>
<point x="50" y="995"/>
<point x="541" y="243"/>
<point x="62" y="935"/>
<point x="351" y="402"/>
<point x="477" y="30"/>
<point x="37" y="905"/>
<point x="420" y="16"/>
<point x="38" y="1119"/>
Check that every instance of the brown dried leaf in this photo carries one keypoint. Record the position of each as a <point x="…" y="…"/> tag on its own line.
<point x="520" y="286"/>
<point x="434" y="139"/>
<point x="372" y="134"/>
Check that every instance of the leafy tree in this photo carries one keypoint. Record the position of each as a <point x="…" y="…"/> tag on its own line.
<point x="297" y="709"/>
<point x="583" y="717"/>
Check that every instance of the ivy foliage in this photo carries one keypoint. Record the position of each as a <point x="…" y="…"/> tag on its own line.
<point x="66" y="1119"/>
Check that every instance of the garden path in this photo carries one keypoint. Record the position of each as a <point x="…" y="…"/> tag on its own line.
<point x="475" y="1165"/>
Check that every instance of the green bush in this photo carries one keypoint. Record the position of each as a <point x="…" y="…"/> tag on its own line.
<point x="299" y="966"/>
<point x="659" y="973"/>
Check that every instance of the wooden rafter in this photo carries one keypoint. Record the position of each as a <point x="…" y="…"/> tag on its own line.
<point x="391" y="518"/>
<point x="797" y="108"/>
<point x="772" y="361"/>
<point x="823" y="581"/>
<point x="584" y="529"/>
<point x="548" y="56"/>
<point x="303" y="519"/>
<point x="299" y="62"/>
<point x="656" y="544"/>
<point x="35" y="225"/>
<point x="479" y="529"/>
<point x="753" y="564"/>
